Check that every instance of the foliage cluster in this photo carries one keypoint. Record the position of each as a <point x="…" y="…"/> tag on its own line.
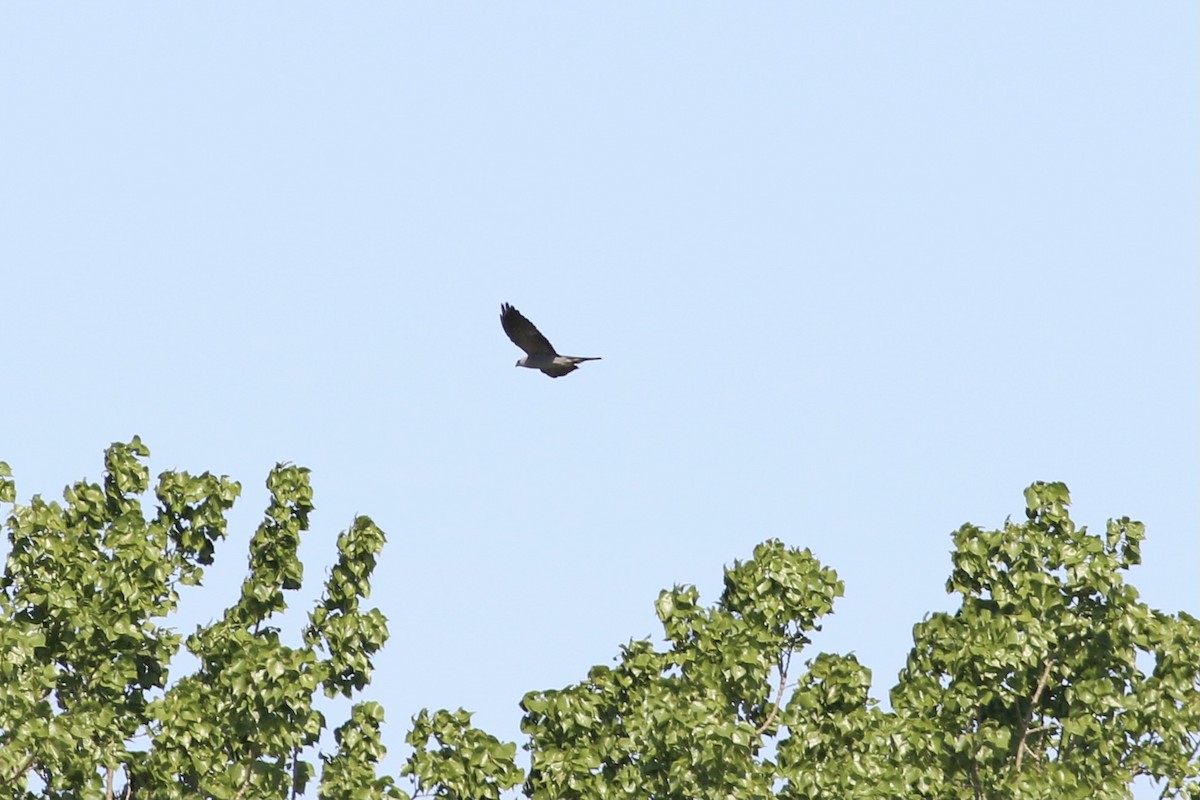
<point x="1050" y="680"/>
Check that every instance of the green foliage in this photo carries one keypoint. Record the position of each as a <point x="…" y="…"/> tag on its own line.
<point x="1050" y="680"/>
<point x="1033" y="687"/>
<point x="463" y="763"/>
<point x="688" y="722"/>
<point x="348" y="634"/>
<point x="349" y="773"/>
<point x="84" y="671"/>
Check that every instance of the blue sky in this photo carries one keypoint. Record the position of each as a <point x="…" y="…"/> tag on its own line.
<point x="859" y="274"/>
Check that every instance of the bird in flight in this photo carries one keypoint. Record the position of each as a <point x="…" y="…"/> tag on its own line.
<point x="539" y="353"/>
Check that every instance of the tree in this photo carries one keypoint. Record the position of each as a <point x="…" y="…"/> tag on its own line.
<point x="1033" y="688"/>
<point x="1051" y="679"/>
<point x="83" y="676"/>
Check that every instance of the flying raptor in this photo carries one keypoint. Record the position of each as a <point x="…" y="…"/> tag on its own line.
<point x="539" y="353"/>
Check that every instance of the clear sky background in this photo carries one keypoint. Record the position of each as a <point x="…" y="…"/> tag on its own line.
<point x="859" y="273"/>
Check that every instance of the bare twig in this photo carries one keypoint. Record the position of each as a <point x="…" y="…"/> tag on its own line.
<point x="1027" y="717"/>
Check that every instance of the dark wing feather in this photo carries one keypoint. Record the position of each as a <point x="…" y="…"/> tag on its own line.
<point x="523" y="332"/>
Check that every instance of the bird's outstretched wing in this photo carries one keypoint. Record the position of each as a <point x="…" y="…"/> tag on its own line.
<point x="523" y="332"/>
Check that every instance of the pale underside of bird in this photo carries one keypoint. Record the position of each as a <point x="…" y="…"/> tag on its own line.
<point x="539" y="353"/>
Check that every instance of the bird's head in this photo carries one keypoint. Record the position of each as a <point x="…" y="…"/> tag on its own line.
<point x="520" y="362"/>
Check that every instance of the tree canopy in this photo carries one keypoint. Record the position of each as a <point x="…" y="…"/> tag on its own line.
<point x="1050" y="680"/>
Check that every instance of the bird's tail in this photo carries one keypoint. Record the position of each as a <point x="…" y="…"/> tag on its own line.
<point x="581" y="359"/>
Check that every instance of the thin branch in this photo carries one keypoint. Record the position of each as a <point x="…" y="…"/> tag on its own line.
<point x="783" y="668"/>
<point x="1026" y="749"/>
<point x="246" y="783"/>
<point x="973" y="764"/>
<point x="1022" y="747"/>
<point x="20" y="771"/>
<point x="1037" y="693"/>
<point x="295" y="768"/>
<point x="108" y="783"/>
